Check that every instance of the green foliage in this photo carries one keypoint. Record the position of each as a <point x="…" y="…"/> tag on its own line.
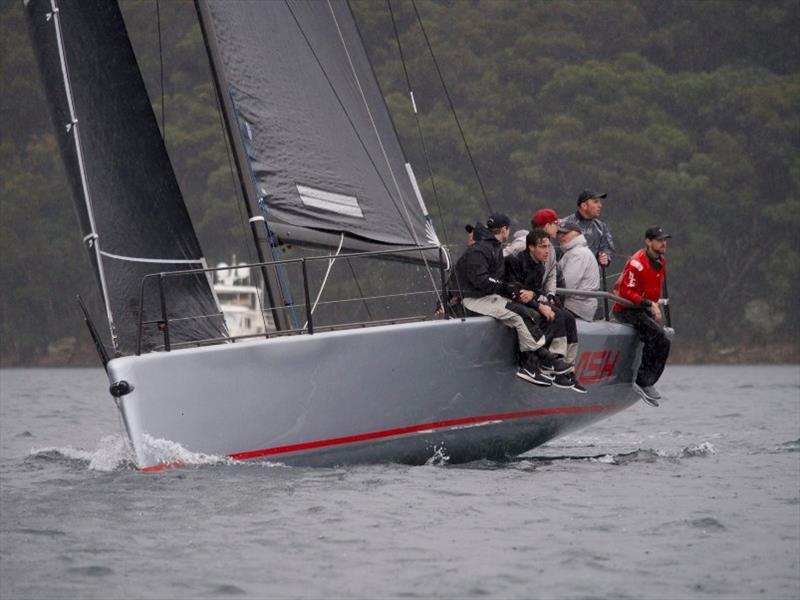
<point x="685" y="112"/>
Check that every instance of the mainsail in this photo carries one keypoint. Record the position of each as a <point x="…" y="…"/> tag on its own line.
<point x="317" y="139"/>
<point x="128" y="202"/>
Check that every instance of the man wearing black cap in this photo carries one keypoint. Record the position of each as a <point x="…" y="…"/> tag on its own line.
<point x="480" y="281"/>
<point x="476" y="233"/>
<point x="597" y="234"/>
<point x="640" y="283"/>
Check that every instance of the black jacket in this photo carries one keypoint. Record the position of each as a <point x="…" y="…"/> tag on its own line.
<point x="528" y="273"/>
<point x="480" y="271"/>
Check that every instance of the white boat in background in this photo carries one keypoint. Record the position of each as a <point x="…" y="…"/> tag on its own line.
<point x="241" y="302"/>
<point x="319" y="164"/>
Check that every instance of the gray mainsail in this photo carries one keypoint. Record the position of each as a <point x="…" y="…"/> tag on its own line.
<point x="125" y="193"/>
<point x="315" y="130"/>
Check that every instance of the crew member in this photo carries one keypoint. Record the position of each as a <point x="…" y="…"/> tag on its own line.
<point x="597" y="234"/>
<point x="482" y="285"/>
<point x="580" y="270"/>
<point x="640" y="283"/>
<point x="529" y="269"/>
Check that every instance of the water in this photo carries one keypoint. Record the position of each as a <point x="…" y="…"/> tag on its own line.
<point x="697" y="499"/>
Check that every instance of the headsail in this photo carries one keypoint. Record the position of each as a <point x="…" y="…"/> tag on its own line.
<point x="128" y="202"/>
<point x="317" y="134"/>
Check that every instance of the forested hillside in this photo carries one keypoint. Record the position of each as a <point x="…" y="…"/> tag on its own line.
<point x="686" y="113"/>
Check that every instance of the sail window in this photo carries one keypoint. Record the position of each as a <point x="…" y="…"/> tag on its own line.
<point x="330" y="201"/>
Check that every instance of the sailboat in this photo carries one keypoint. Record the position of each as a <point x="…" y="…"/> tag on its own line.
<point x="320" y="165"/>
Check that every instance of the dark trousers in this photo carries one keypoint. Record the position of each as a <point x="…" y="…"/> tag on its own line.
<point x="656" y="344"/>
<point x="532" y="318"/>
<point x="562" y="326"/>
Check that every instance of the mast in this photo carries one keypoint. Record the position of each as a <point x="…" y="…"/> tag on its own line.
<point x="92" y="239"/>
<point x="249" y="192"/>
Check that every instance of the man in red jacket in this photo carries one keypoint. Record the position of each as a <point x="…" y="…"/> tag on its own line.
<point x="640" y="283"/>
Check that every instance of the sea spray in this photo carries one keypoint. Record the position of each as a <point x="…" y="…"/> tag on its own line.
<point x="112" y="453"/>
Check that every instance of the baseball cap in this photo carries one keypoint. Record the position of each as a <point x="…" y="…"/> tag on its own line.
<point x="588" y="195"/>
<point x="565" y="226"/>
<point x="498" y="220"/>
<point x="656" y="233"/>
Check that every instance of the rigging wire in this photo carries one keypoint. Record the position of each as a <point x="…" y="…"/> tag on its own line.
<point x="452" y="106"/>
<point x="419" y="125"/>
<point x="350" y="120"/>
<point x="360" y="291"/>
<point x="380" y="142"/>
<point x="325" y="279"/>
<point x="161" y="69"/>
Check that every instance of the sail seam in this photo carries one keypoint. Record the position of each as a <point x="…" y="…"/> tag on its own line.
<point x="167" y="261"/>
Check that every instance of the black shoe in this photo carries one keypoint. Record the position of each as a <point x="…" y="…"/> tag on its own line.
<point x="648" y="393"/>
<point x="534" y="377"/>
<point x="563" y="381"/>
<point x="553" y="364"/>
<point x="576" y="387"/>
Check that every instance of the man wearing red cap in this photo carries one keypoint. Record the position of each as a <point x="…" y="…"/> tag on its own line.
<point x="547" y="219"/>
<point x="640" y="283"/>
<point x="479" y="280"/>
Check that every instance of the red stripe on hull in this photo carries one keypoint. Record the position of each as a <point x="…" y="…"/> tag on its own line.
<point x="386" y="433"/>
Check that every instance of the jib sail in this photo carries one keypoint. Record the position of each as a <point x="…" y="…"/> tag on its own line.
<point x="130" y="208"/>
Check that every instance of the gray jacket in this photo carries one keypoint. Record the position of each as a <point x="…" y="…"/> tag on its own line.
<point x="581" y="272"/>
<point x="597" y="234"/>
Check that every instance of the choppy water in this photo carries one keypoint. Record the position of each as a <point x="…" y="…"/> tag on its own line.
<point x="697" y="499"/>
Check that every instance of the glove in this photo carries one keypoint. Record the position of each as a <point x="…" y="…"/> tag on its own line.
<point x="512" y="290"/>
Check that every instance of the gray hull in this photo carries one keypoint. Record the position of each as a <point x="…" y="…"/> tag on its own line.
<point x="395" y="393"/>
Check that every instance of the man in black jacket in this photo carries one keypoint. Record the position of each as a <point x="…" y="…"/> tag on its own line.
<point x="480" y="281"/>
<point x="528" y="269"/>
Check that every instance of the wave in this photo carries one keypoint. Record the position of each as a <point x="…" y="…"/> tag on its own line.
<point x="114" y="453"/>
<point x="439" y="458"/>
<point x="645" y="455"/>
<point x="793" y="446"/>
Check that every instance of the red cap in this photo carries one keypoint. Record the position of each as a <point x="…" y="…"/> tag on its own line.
<point x="543" y="216"/>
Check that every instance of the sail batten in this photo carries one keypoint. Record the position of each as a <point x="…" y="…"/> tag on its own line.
<point x="319" y="139"/>
<point x="124" y="191"/>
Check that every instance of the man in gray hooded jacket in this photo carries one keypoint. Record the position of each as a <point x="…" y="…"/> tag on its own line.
<point x="580" y="270"/>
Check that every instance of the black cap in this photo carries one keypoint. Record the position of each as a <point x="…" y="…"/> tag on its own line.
<point x="469" y="228"/>
<point x="565" y="226"/>
<point x="656" y="233"/>
<point x="498" y="220"/>
<point x="588" y="195"/>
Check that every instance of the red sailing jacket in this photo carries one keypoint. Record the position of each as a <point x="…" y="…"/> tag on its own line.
<point x="640" y="280"/>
